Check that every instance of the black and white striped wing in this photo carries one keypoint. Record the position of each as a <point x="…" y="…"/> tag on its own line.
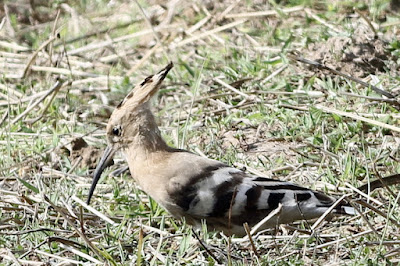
<point x="224" y="195"/>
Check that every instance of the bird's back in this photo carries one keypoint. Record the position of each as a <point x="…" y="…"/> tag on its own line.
<point x="199" y="188"/>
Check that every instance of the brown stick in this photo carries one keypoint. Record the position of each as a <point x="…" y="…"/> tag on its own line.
<point x="56" y="87"/>
<point x="247" y="229"/>
<point x="385" y="181"/>
<point x="321" y="66"/>
<point x="72" y="224"/>
<point x="376" y="210"/>
<point x="205" y="247"/>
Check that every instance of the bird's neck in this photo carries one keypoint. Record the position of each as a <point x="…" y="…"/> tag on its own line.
<point x="145" y="153"/>
<point x="148" y="140"/>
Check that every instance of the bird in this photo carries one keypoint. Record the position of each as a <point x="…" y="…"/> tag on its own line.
<point x="197" y="188"/>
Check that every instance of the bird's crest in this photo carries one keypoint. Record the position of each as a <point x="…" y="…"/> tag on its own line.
<point x="145" y="90"/>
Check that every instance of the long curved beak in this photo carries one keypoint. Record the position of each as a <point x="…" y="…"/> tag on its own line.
<point x="104" y="162"/>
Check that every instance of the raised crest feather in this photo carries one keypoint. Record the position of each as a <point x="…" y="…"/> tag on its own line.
<point x="146" y="89"/>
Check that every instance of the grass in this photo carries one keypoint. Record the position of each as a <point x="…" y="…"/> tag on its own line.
<point x="275" y="126"/>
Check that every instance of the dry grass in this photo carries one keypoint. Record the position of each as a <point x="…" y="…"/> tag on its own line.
<point x="236" y="94"/>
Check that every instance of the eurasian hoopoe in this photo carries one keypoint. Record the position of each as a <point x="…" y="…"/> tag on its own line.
<point x="197" y="188"/>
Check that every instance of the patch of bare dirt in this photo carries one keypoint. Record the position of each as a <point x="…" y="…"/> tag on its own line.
<point x="254" y="143"/>
<point x="358" y="55"/>
<point x="29" y="12"/>
<point x="88" y="155"/>
<point x="274" y="149"/>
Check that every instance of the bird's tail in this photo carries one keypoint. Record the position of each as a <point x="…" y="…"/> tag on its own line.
<point x="344" y="208"/>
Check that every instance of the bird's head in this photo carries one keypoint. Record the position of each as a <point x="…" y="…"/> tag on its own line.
<point x="129" y="119"/>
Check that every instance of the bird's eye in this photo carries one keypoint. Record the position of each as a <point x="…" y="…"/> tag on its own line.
<point x="117" y="131"/>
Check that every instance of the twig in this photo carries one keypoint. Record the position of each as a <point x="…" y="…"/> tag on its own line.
<point x="345" y="238"/>
<point x="198" y="25"/>
<point x="376" y="210"/>
<point x="320" y="20"/>
<point x="48" y="104"/>
<point x="205" y="247"/>
<point x="387" y="242"/>
<point x="363" y="194"/>
<point x="342" y="113"/>
<point x="102" y="44"/>
<point x="388" y="181"/>
<point x="273" y="74"/>
<point x="72" y="224"/>
<point x="11" y="92"/>
<point x="97" y="32"/>
<point x="231" y="88"/>
<point x="247" y="229"/>
<point x="143" y="59"/>
<point x="321" y="66"/>
<point x="392" y="253"/>
<point x="80" y="253"/>
<point x="291" y="238"/>
<point x="4" y="117"/>
<point x="308" y="235"/>
<point x="139" y="247"/>
<point x="274" y="212"/>
<point x="294" y="107"/>
<point x="371" y="98"/>
<point x="62" y="258"/>
<point x="8" y="21"/>
<point x="2" y="23"/>
<point x="14" y="46"/>
<point x="265" y="13"/>
<point x="33" y="249"/>
<point x="56" y="86"/>
<point x="379" y="115"/>
<point x="366" y="20"/>
<point x="364" y="218"/>
<point x="54" y="33"/>
<point x="236" y="107"/>
<point x="327" y="212"/>
<point x="33" y="57"/>
<point x="390" y="23"/>
<point x="41" y="229"/>
<point x="154" y="31"/>
<point x="357" y="117"/>
<point x="223" y="14"/>
<point x="207" y="33"/>
<point x="347" y="114"/>
<point x="65" y="71"/>
<point x="380" y="178"/>
<point x="93" y="210"/>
